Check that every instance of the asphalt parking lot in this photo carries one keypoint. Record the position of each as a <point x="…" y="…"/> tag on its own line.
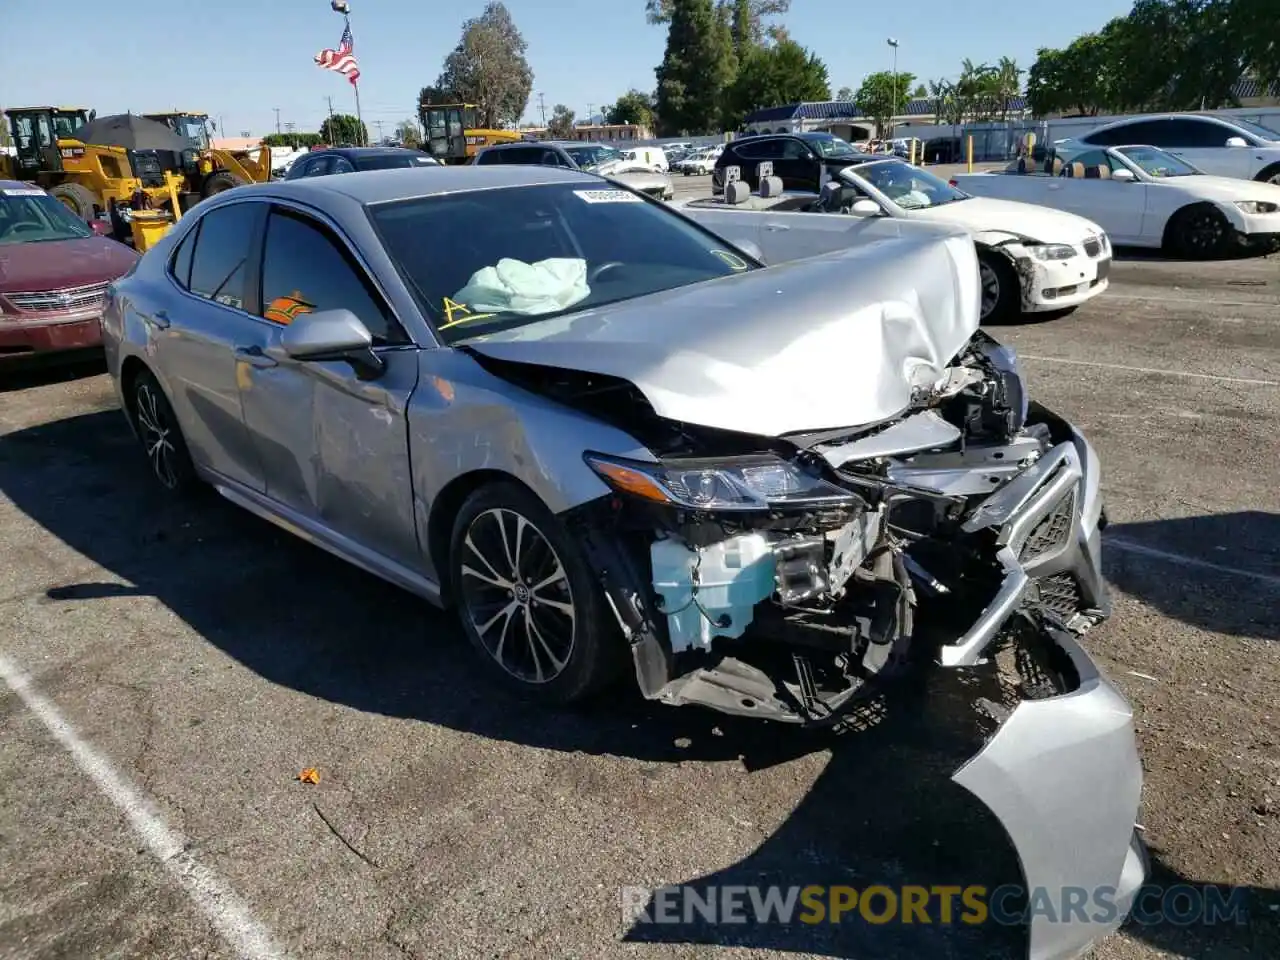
<point x="180" y="664"/>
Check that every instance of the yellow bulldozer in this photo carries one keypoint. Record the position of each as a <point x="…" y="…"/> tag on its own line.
<point x="90" y="179"/>
<point x="213" y="169"/>
<point x="453" y="135"/>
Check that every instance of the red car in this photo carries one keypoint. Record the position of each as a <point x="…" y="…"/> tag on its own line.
<point x="54" y="272"/>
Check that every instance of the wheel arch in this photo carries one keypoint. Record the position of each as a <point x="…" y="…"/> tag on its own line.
<point x="445" y="506"/>
<point x="1228" y="211"/>
<point x="132" y="367"/>
<point x="1267" y="172"/>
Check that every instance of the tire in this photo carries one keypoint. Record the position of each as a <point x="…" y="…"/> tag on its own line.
<point x="1200" y="232"/>
<point x="222" y="180"/>
<point x="581" y="647"/>
<point x="161" y="437"/>
<point x="1001" y="293"/>
<point x="1270" y="175"/>
<point x="77" y="198"/>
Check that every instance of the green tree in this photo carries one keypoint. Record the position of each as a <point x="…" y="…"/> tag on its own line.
<point x="783" y="72"/>
<point x="695" y="69"/>
<point x="407" y="133"/>
<point x="342" y="129"/>
<point x="747" y="17"/>
<point x="632" y="107"/>
<point x="920" y="92"/>
<point x="883" y="96"/>
<point x="844" y="94"/>
<point x="560" y="125"/>
<point x="293" y="140"/>
<point x="488" y="67"/>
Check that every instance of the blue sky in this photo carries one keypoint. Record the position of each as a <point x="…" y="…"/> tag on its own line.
<point x="242" y="58"/>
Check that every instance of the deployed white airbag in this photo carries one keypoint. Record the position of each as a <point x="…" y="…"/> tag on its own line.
<point x="513" y="286"/>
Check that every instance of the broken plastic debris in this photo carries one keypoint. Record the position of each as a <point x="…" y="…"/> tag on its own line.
<point x="309" y="775"/>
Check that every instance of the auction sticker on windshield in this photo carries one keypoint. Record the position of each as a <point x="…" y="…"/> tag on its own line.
<point x="22" y="192"/>
<point x="607" y="196"/>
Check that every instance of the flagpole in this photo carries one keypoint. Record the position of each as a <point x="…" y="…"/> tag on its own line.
<point x="362" y="133"/>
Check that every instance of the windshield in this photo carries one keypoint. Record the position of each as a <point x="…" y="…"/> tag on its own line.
<point x="1257" y="129"/>
<point x="909" y="187"/>
<point x="530" y="253"/>
<point x="64" y="124"/>
<point x="593" y="155"/>
<point x="1157" y="163"/>
<point x="388" y="161"/>
<point x="193" y="131"/>
<point x="29" y="215"/>
<point x="832" y="147"/>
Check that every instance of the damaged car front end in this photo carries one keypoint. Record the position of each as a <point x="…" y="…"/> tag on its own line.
<point x="792" y="573"/>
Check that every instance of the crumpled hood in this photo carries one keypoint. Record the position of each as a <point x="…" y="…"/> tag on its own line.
<point x="1009" y="216"/>
<point x="826" y="342"/>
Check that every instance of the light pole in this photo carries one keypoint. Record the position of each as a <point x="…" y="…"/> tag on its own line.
<point x="894" y="109"/>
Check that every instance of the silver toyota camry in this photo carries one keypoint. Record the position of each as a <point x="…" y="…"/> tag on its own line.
<point x="765" y="469"/>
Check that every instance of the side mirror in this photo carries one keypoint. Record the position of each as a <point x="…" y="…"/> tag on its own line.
<point x="751" y="249"/>
<point x="1123" y="176"/>
<point x="1237" y="142"/>
<point x="332" y="335"/>
<point x="865" y="208"/>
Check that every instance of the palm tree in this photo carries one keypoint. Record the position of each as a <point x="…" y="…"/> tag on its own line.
<point x="1007" y="84"/>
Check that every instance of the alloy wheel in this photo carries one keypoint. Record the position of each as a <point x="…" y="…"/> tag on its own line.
<point x="1204" y="231"/>
<point x="153" y="423"/>
<point x="990" y="288"/>
<point x="517" y="596"/>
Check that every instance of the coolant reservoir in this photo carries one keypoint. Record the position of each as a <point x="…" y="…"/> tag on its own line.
<point x="710" y="591"/>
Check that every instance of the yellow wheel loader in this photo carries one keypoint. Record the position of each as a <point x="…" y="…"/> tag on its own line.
<point x="90" y="179"/>
<point x="212" y="170"/>
<point x="452" y="134"/>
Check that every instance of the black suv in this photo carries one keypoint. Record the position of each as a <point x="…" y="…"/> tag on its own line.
<point x="798" y="158"/>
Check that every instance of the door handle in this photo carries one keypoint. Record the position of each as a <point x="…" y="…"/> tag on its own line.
<point x="776" y="227"/>
<point x="160" y="320"/>
<point x="254" y="357"/>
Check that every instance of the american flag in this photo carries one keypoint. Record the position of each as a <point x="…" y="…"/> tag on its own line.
<point x="341" y="60"/>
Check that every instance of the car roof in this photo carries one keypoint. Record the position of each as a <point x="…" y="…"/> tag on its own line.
<point x="19" y="185"/>
<point x="1185" y="115"/>
<point x="404" y="183"/>
<point x="366" y="151"/>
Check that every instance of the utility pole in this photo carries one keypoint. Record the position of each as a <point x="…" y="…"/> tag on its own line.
<point x="894" y="112"/>
<point x="289" y="126"/>
<point x="589" y="106"/>
<point x="542" y="107"/>
<point x="277" y="110"/>
<point x="378" y="124"/>
<point x="330" y="99"/>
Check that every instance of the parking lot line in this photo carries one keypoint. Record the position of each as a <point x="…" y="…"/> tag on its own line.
<point x="1116" y="543"/>
<point x="215" y="899"/>
<point x="1167" y="373"/>
<point x="1114" y="294"/>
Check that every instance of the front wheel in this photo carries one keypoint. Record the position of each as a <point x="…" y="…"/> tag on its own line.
<point x="1001" y="296"/>
<point x="528" y="599"/>
<point x="1200" y="232"/>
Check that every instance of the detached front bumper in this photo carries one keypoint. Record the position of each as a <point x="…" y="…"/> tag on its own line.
<point x="1062" y="775"/>
<point x="1059" y="284"/>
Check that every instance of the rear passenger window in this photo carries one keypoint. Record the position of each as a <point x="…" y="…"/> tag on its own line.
<point x="222" y="253"/>
<point x="305" y="269"/>
<point x="182" y="257"/>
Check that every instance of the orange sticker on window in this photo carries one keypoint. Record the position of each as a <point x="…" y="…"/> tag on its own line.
<point x="285" y="309"/>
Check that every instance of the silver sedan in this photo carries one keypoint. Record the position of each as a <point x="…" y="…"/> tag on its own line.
<point x="768" y="470"/>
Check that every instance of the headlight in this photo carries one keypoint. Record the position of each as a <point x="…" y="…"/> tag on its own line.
<point x="743" y="483"/>
<point x="1257" y="206"/>
<point x="1053" y="251"/>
